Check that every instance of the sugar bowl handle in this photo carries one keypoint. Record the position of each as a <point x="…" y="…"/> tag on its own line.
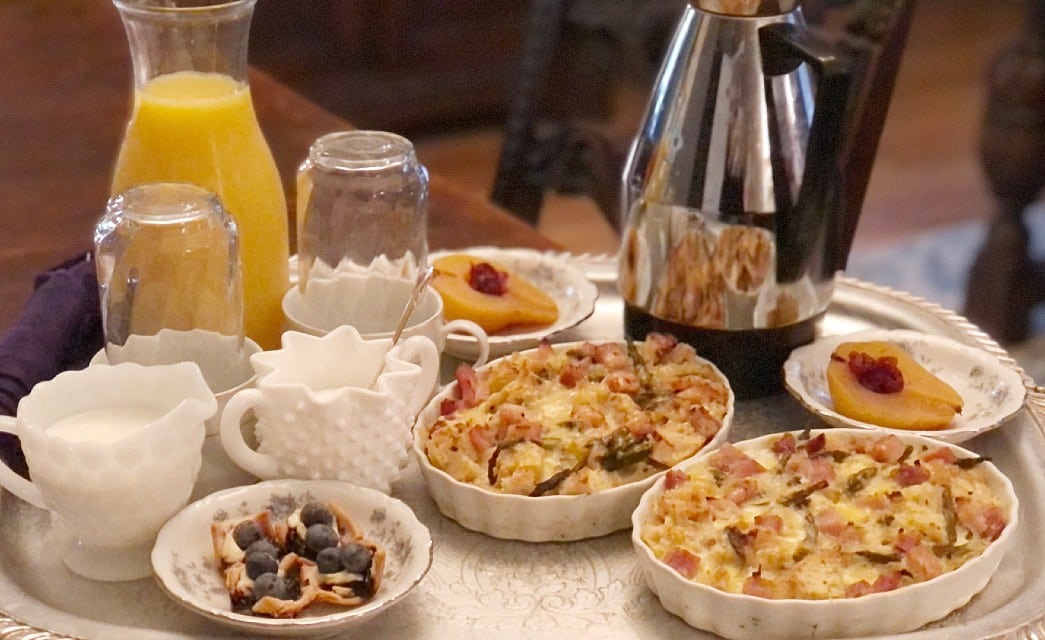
<point x="232" y="440"/>
<point x="421" y="351"/>
<point x="13" y="482"/>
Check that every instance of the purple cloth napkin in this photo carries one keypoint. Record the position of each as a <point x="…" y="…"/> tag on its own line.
<point x="60" y="328"/>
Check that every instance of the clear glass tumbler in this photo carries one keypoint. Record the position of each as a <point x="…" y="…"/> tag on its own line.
<point x="170" y="281"/>
<point x="361" y="207"/>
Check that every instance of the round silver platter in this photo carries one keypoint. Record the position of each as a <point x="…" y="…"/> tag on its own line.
<point x="484" y="588"/>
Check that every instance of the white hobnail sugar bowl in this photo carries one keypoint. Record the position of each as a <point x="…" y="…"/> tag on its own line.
<point x="332" y="407"/>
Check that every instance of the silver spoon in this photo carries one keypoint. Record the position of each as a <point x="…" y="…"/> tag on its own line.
<point x="423" y="278"/>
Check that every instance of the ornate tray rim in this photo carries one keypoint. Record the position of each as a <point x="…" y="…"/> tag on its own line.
<point x="599" y="268"/>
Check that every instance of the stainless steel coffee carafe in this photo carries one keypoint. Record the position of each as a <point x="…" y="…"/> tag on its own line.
<point x="732" y="186"/>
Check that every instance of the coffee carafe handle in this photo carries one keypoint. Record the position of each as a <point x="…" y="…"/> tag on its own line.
<point x="785" y="46"/>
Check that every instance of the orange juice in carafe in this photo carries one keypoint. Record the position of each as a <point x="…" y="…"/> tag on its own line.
<point x="193" y="122"/>
<point x="200" y="127"/>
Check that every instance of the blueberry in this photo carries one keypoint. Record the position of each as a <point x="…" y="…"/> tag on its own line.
<point x="329" y="560"/>
<point x="245" y="533"/>
<point x="271" y="584"/>
<point x="266" y="584"/>
<point x="259" y="563"/>
<point x="262" y="546"/>
<point x="355" y="558"/>
<point x="319" y="537"/>
<point x="290" y="590"/>
<point x="315" y="513"/>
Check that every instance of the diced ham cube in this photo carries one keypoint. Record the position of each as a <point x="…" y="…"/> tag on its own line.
<point x="684" y="562"/>
<point x="922" y="563"/>
<point x="942" y="454"/>
<point x="814" y="470"/>
<point x="734" y="462"/>
<point x="674" y="478"/>
<point x="785" y="445"/>
<point x="887" y="449"/>
<point x="985" y="521"/>
<point x="467" y="385"/>
<point x="908" y="475"/>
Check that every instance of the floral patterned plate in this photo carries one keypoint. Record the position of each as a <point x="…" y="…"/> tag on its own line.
<point x="992" y="392"/>
<point x="572" y="291"/>
<point x="183" y="558"/>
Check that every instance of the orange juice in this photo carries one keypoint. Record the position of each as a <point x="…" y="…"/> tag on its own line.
<point x="201" y="128"/>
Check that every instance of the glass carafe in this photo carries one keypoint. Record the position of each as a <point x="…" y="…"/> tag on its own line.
<point x="193" y="121"/>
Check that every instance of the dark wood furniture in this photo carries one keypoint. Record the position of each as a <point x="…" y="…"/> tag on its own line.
<point x="1005" y="283"/>
<point x="67" y="89"/>
<point x="398" y="65"/>
<point x="568" y="151"/>
<point x="572" y="56"/>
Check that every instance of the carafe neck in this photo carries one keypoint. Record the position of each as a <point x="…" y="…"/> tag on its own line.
<point x="169" y="36"/>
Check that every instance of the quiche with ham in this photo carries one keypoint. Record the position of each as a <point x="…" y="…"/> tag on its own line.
<point x="839" y="514"/>
<point x="578" y="418"/>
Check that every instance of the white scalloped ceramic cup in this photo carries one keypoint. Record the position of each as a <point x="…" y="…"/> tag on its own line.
<point x="372" y="304"/>
<point x="333" y="407"/>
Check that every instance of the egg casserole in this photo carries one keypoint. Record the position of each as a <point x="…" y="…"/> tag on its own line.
<point x="824" y="517"/>
<point x="580" y="418"/>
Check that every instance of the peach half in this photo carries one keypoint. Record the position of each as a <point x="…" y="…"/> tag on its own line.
<point x="489" y="294"/>
<point x="921" y="401"/>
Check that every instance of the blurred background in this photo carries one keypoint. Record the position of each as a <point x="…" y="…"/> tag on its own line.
<point x="447" y="74"/>
<point x="443" y="73"/>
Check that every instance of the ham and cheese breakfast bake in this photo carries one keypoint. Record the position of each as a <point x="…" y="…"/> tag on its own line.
<point x="578" y="419"/>
<point x="835" y="515"/>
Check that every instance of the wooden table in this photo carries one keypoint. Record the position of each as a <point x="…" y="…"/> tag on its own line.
<point x="65" y="100"/>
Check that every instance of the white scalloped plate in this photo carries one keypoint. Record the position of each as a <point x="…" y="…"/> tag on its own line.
<point x="572" y="291"/>
<point x="992" y="392"/>
<point x="183" y="556"/>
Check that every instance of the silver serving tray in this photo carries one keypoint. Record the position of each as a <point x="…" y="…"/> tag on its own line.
<point x="489" y="589"/>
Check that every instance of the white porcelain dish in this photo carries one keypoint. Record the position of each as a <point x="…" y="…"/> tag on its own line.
<point x="535" y="519"/>
<point x="992" y="392"/>
<point x="566" y="284"/>
<point x="183" y="557"/>
<point x="745" y="617"/>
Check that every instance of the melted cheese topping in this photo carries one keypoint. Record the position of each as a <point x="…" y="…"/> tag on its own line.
<point x="838" y="518"/>
<point x="579" y="419"/>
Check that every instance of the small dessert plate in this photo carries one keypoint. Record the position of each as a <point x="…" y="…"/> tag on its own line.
<point x="184" y="563"/>
<point x="992" y="392"/>
<point x="566" y="284"/>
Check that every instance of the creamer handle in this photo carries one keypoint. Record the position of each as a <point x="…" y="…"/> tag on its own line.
<point x="13" y="482"/>
<point x="423" y="352"/>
